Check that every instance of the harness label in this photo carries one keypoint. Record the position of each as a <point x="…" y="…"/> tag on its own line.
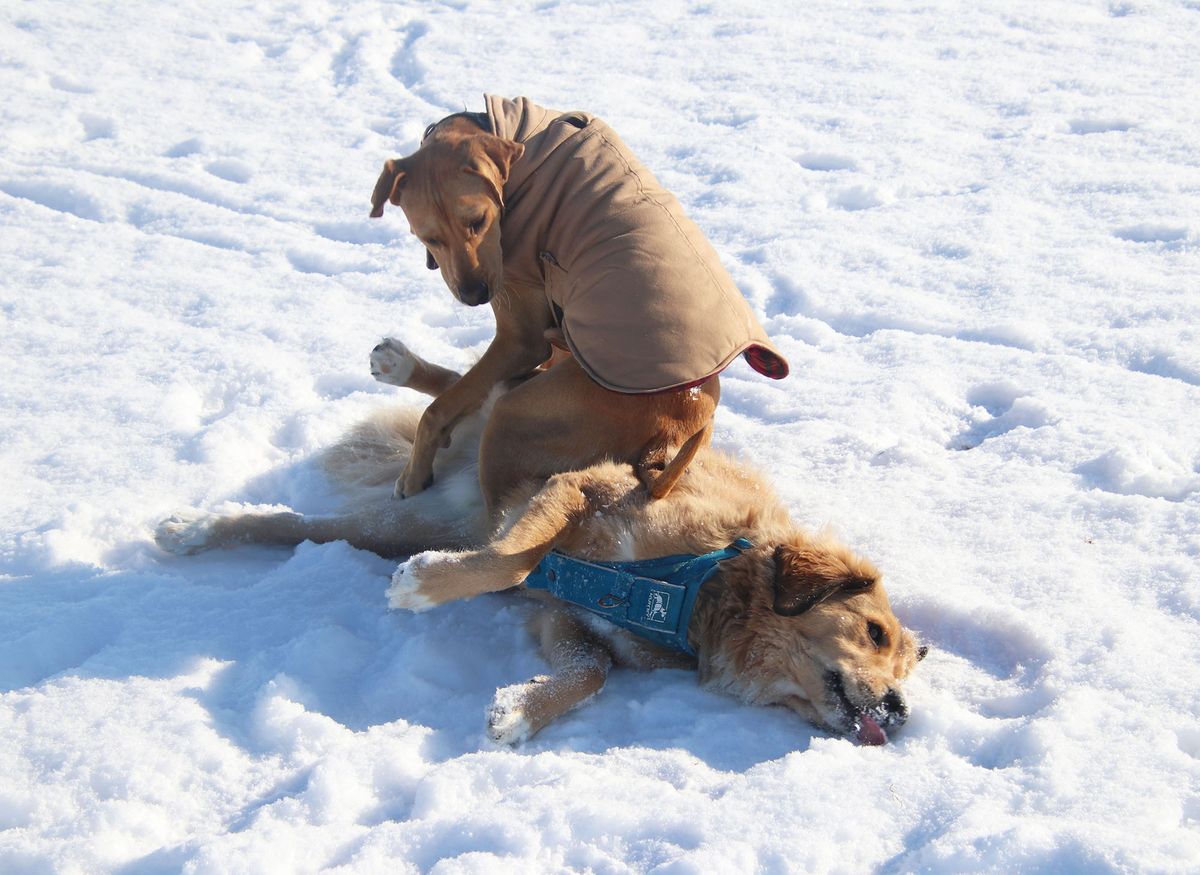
<point x="656" y="607"/>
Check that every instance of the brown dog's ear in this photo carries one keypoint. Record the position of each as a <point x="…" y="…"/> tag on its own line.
<point x="803" y="580"/>
<point x="430" y="262"/>
<point x="388" y="186"/>
<point x="503" y="153"/>
<point x="500" y="154"/>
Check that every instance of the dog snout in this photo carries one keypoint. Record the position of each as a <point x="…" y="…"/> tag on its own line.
<point x="895" y="709"/>
<point x="474" y="293"/>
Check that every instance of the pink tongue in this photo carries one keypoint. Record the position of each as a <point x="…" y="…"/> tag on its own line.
<point x="869" y="732"/>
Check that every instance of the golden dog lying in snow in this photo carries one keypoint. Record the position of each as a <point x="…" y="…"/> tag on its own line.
<point x="791" y="618"/>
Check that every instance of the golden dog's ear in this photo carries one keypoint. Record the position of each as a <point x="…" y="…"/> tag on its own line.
<point x="430" y="261"/>
<point x="388" y="186"/>
<point x="804" y="579"/>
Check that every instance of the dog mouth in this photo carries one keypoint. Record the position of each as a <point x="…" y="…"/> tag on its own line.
<point x="869" y="726"/>
<point x="475" y="292"/>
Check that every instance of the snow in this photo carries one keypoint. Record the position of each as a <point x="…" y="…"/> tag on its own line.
<point x="973" y="228"/>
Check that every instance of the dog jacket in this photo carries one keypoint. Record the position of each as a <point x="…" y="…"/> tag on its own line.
<point x="638" y="291"/>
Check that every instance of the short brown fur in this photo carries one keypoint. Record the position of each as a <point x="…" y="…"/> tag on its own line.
<point x="452" y="192"/>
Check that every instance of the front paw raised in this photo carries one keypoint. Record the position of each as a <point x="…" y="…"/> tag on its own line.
<point x="392" y="363"/>
<point x="410" y="591"/>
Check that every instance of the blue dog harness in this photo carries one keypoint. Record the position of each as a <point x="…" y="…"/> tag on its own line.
<point x="652" y="598"/>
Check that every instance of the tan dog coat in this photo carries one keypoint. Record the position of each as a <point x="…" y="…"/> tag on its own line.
<point x="638" y="291"/>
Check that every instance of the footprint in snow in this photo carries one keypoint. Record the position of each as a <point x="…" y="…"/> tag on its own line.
<point x="72" y="86"/>
<point x="230" y="169"/>
<point x="184" y="148"/>
<point x="405" y="67"/>
<point x="950" y="251"/>
<point x="97" y="127"/>
<point x="1152" y="233"/>
<point x="825" y="162"/>
<point x="77" y="200"/>
<point x="1141" y="469"/>
<point x="857" y="197"/>
<point x="327" y="265"/>
<point x="1005" y="408"/>
<point x="1098" y="125"/>
<point x="991" y="667"/>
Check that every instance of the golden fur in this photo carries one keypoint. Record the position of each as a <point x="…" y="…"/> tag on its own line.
<point x="798" y="620"/>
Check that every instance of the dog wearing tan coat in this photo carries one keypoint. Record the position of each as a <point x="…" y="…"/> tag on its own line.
<point x="552" y="220"/>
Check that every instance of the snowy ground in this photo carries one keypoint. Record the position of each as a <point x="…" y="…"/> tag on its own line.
<point x="975" y="230"/>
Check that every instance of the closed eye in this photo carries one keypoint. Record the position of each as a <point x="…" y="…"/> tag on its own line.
<point x="476" y="226"/>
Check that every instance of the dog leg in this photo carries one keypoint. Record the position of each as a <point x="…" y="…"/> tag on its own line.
<point x="393" y="363"/>
<point x="657" y="475"/>
<point x="382" y="527"/>
<point x="432" y="578"/>
<point x="562" y="420"/>
<point x="580" y="663"/>
<point x="509" y="355"/>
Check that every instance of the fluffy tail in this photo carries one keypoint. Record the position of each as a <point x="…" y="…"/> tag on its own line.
<point x="375" y="451"/>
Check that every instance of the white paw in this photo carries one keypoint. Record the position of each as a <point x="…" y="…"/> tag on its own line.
<point x="391" y="362"/>
<point x="405" y="592"/>
<point x="185" y="532"/>
<point x="506" y="720"/>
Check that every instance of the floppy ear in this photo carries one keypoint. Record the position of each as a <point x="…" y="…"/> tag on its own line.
<point x="430" y="262"/>
<point x="803" y="581"/>
<point x="388" y="186"/>
<point x="503" y="153"/>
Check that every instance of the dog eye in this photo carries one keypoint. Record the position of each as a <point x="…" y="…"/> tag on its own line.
<point x="876" y="632"/>
<point x="476" y="227"/>
<point x="432" y="242"/>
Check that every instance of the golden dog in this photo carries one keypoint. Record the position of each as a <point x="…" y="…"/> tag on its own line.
<point x="795" y="619"/>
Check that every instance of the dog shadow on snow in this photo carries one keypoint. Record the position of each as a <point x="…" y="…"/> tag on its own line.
<point x="237" y="629"/>
<point x="310" y="624"/>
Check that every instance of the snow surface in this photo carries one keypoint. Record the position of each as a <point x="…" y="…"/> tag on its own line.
<point x="973" y="227"/>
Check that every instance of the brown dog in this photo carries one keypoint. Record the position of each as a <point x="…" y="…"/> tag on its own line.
<point x="794" y="620"/>
<point x="549" y="218"/>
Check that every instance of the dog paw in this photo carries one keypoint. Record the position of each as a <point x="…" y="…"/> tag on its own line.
<point x="185" y="532"/>
<point x="392" y="363"/>
<point x="409" y="590"/>
<point x="507" y="722"/>
<point x="410" y="484"/>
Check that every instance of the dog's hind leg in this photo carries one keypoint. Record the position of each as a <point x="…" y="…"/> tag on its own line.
<point x="659" y="476"/>
<point x="381" y="526"/>
<point x="550" y="516"/>
<point x="579" y="662"/>
<point x="392" y="362"/>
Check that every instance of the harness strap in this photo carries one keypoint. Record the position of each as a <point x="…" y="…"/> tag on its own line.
<point x="652" y="598"/>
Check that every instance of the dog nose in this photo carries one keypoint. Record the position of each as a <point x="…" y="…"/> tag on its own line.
<point x="895" y="709"/>
<point x="474" y="293"/>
